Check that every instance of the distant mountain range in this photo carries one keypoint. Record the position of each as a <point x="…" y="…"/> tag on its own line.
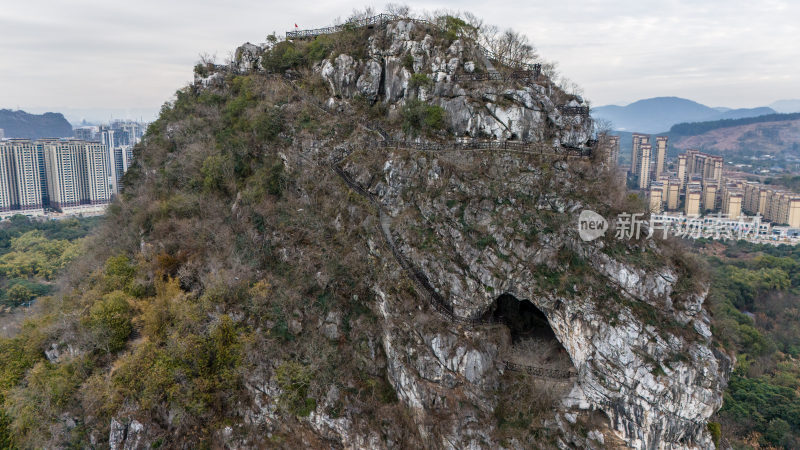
<point x="786" y="106"/>
<point x="659" y="114"/>
<point x="19" y="124"/>
<point x="767" y="134"/>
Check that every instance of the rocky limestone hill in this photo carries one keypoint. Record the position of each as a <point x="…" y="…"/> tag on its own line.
<point x="350" y="242"/>
<point x="19" y="124"/>
<point x="778" y="137"/>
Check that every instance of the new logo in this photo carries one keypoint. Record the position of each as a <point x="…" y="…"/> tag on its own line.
<point x="591" y="225"/>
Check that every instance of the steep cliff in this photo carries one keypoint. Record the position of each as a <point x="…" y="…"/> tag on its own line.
<point x="370" y="240"/>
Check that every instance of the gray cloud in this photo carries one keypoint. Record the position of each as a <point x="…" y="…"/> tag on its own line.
<point x="98" y="54"/>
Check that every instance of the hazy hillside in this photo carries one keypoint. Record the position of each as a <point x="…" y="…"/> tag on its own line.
<point x="767" y="134"/>
<point x="786" y="106"/>
<point x="657" y="114"/>
<point x="771" y="137"/>
<point x="19" y="124"/>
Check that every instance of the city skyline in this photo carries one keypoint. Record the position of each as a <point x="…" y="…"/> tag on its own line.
<point x="733" y="54"/>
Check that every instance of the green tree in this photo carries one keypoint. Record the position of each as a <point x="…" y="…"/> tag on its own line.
<point x="110" y="321"/>
<point x="294" y="378"/>
<point x="777" y="431"/>
<point x="419" y="116"/>
<point x="118" y="273"/>
<point x="19" y="294"/>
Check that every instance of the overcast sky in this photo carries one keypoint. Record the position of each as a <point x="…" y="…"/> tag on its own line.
<point x="90" y="56"/>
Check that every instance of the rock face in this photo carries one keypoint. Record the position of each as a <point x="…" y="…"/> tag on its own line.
<point x="127" y="436"/>
<point x="478" y="225"/>
<point x="404" y="62"/>
<point x="502" y="110"/>
<point x="247" y="58"/>
<point x="657" y="386"/>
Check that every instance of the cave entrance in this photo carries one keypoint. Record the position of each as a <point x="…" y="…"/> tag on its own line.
<point x="538" y="370"/>
<point x="523" y="318"/>
<point x="532" y="341"/>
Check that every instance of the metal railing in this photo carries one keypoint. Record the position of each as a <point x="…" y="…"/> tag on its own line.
<point x="380" y="19"/>
<point x="584" y="151"/>
<point x="543" y="372"/>
<point x="509" y="62"/>
<point x="476" y="144"/>
<point x="525" y="75"/>
<point x="574" y="110"/>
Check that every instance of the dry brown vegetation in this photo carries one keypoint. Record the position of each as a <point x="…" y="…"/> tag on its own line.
<point x="224" y="265"/>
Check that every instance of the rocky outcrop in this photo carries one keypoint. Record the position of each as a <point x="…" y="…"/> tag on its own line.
<point x="501" y="110"/>
<point x="247" y="58"/>
<point x="658" y="386"/>
<point x="480" y="224"/>
<point x="127" y="435"/>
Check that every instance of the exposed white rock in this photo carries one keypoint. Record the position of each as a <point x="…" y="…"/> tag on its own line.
<point x="658" y="387"/>
<point x="127" y="436"/>
<point x="247" y="58"/>
<point x="57" y="353"/>
<point x="524" y="112"/>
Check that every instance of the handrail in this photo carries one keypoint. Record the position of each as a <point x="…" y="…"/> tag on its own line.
<point x="379" y="19"/>
<point x="544" y="372"/>
<point x="477" y="144"/>
<point x="526" y="75"/>
<point x="506" y="61"/>
<point x="574" y="110"/>
<point x="474" y="144"/>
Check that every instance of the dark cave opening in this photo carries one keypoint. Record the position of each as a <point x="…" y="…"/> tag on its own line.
<point x="532" y="343"/>
<point x="523" y="318"/>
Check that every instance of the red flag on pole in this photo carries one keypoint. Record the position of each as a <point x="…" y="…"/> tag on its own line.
<point x="295" y="25"/>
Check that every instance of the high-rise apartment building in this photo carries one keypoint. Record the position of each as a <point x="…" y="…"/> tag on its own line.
<point x="66" y="180"/>
<point x="709" y="195"/>
<point x="732" y="203"/>
<point x="119" y="139"/>
<point x="638" y="140"/>
<point x="793" y="218"/>
<point x="612" y="150"/>
<point x="656" y="198"/>
<point x="20" y="182"/>
<point x="643" y="171"/>
<point x="682" y="171"/>
<point x="776" y="205"/>
<point x="77" y="173"/>
<point x="123" y="157"/>
<point x="716" y="169"/>
<point x="98" y="173"/>
<point x="27" y="174"/>
<point x="704" y="165"/>
<point x="692" y="203"/>
<point x="85" y="133"/>
<point x="108" y="138"/>
<point x="8" y="185"/>
<point x="65" y="174"/>
<point x="661" y="155"/>
<point x="673" y="195"/>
